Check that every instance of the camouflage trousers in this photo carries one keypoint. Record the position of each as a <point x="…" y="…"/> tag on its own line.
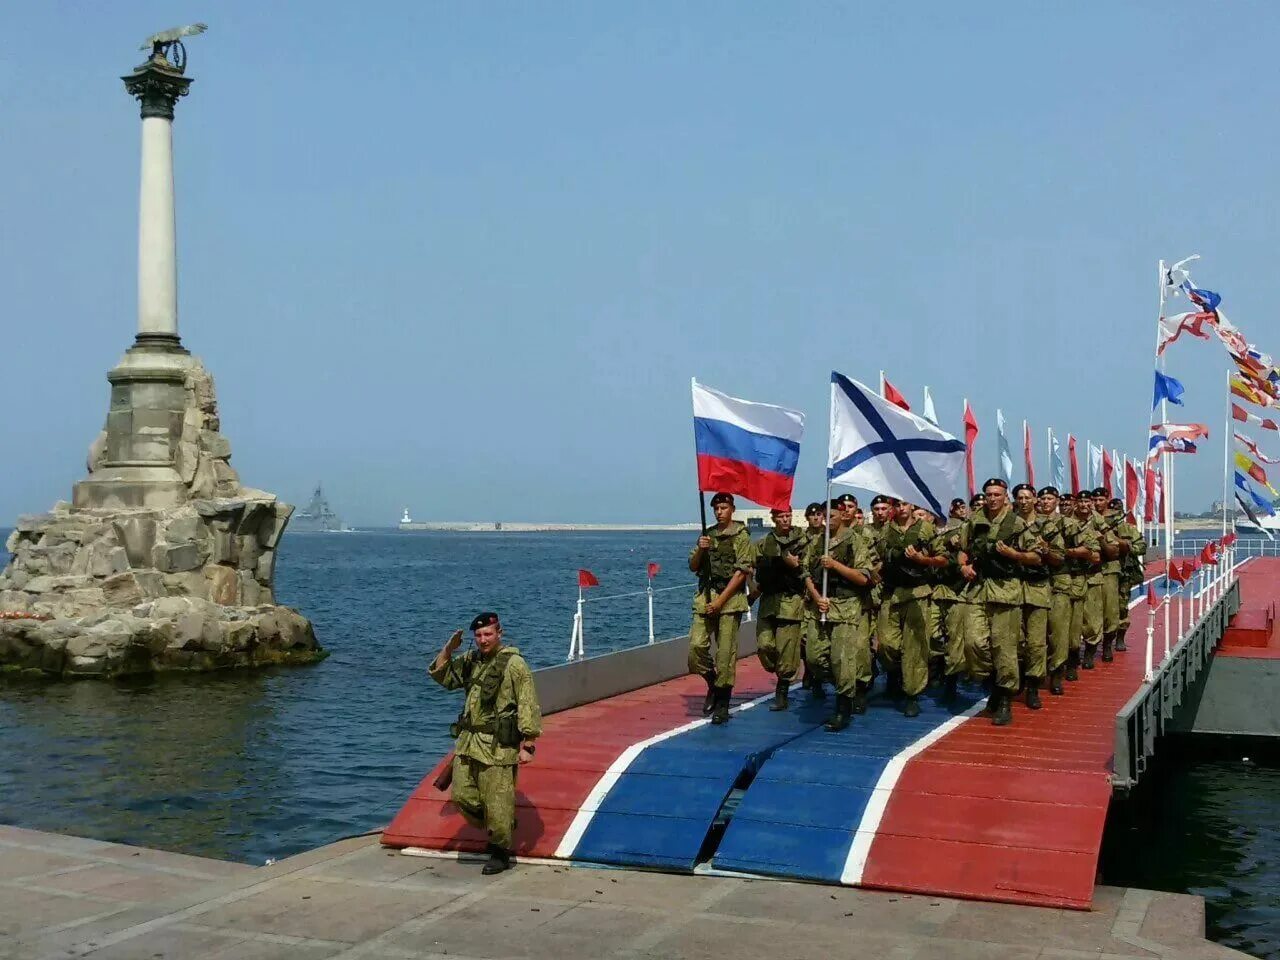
<point x="1060" y="620"/>
<point x="992" y="641"/>
<point x="778" y="646"/>
<point x="849" y="647"/>
<point x="1092" y="615"/>
<point x="955" y="621"/>
<point x="1110" y="603"/>
<point x="724" y="627"/>
<point x="1034" y="643"/>
<point x="904" y="642"/>
<point x="486" y="797"/>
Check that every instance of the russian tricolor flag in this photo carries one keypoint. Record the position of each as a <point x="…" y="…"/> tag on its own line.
<point x="744" y="448"/>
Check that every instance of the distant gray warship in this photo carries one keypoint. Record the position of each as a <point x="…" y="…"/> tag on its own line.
<point x="317" y="517"/>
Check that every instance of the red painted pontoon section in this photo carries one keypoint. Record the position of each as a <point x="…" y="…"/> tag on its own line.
<point x="1253" y="633"/>
<point x="1016" y="813"/>
<point x="576" y="748"/>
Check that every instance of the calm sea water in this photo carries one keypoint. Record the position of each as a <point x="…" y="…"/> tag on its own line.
<point x="248" y="766"/>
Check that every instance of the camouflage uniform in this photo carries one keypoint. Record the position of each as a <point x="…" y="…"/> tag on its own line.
<point x="731" y="551"/>
<point x="904" y="613"/>
<point x="499" y="711"/>
<point x="781" y="607"/>
<point x="1037" y="601"/>
<point x="1132" y="569"/>
<point x="951" y="596"/>
<point x="842" y="650"/>
<point x="1057" y="532"/>
<point x="1000" y="597"/>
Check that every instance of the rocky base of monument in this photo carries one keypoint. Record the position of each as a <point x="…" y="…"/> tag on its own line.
<point x="108" y="592"/>
<point x="113" y="593"/>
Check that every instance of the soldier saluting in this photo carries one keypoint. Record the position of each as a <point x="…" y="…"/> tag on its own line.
<point x="495" y="731"/>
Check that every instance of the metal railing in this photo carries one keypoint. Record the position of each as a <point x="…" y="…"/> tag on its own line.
<point x="1253" y="547"/>
<point x="1201" y="606"/>
<point x="577" y="639"/>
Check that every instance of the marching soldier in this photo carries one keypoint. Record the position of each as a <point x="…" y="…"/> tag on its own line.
<point x="908" y="563"/>
<point x="1093" y="616"/>
<point x="722" y="559"/>
<point x="780" y="588"/>
<point x="1107" y="522"/>
<point x="815" y="515"/>
<point x="1037" y="598"/>
<point x="1058" y="533"/>
<point x="495" y="732"/>
<point x="844" y="617"/>
<point x="950" y="596"/>
<point x="1133" y="547"/>
<point x="1000" y="544"/>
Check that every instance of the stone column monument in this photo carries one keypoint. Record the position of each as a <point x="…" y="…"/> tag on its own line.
<point x="162" y="560"/>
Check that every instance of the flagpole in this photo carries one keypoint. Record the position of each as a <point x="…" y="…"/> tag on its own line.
<point x="1048" y="445"/>
<point x="826" y="506"/>
<point x="881" y="394"/>
<point x="1227" y="432"/>
<point x="1166" y="472"/>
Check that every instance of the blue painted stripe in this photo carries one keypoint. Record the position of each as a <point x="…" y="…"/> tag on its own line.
<point x="716" y="438"/>
<point x="799" y="817"/>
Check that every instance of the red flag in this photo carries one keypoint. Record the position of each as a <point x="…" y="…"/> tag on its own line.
<point x="1175" y="573"/>
<point x="890" y="393"/>
<point x="1108" y="468"/>
<point x="1026" y="453"/>
<point x="587" y="579"/>
<point x="1151" y="594"/>
<point x="1208" y="554"/>
<point x="1270" y="425"/>
<point x="1187" y="570"/>
<point x="654" y="569"/>
<point x="1130" y="485"/>
<point x="1238" y="413"/>
<point x="1229" y="539"/>
<point x="1075" y="467"/>
<point x="970" y="438"/>
<point x="1149" y="503"/>
<point x="1159" y="493"/>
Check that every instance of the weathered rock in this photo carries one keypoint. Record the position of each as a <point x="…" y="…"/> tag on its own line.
<point x="170" y="587"/>
<point x="224" y="583"/>
<point x="175" y="558"/>
<point x="138" y="535"/>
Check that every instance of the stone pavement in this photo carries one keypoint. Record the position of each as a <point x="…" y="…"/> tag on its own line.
<point x="67" y="897"/>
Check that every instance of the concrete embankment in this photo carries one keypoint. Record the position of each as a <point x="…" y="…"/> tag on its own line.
<point x="64" y="896"/>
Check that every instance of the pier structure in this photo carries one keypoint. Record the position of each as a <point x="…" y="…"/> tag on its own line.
<point x="943" y="804"/>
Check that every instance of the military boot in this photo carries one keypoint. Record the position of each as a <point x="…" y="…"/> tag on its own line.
<point x="840" y="719"/>
<point x="858" y="703"/>
<point x="1055" y="682"/>
<point x="1033" y="693"/>
<point x="1107" y="641"/>
<point x="816" y="689"/>
<point x="1089" y="650"/>
<point x="1121" y="646"/>
<point x="950" y="687"/>
<point x="499" y="860"/>
<point x="893" y="684"/>
<point x="911" y="708"/>
<point x="720" y="713"/>
<point x="709" y="702"/>
<point x="993" y="696"/>
<point x="1003" y="714"/>
<point x="1073" y="661"/>
<point x="780" y="695"/>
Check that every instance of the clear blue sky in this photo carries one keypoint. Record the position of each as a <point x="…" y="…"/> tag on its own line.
<point x="466" y="257"/>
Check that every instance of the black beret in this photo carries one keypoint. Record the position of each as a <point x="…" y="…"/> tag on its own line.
<point x="1066" y="496"/>
<point x="1024" y="486"/>
<point x="815" y="507"/>
<point x="957" y="502"/>
<point x="996" y="482"/>
<point x="835" y="504"/>
<point x="881" y="498"/>
<point x="1050" y="490"/>
<point x="1099" y="492"/>
<point x="976" y="499"/>
<point x="722" y="498"/>
<point x="1115" y="502"/>
<point x="847" y="498"/>
<point x="484" y="620"/>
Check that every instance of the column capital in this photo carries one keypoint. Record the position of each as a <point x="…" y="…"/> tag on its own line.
<point x="157" y="85"/>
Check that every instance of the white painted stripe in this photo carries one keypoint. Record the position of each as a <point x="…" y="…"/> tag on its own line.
<point x="582" y="819"/>
<point x="856" y="861"/>
<point x="763" y="418"/>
